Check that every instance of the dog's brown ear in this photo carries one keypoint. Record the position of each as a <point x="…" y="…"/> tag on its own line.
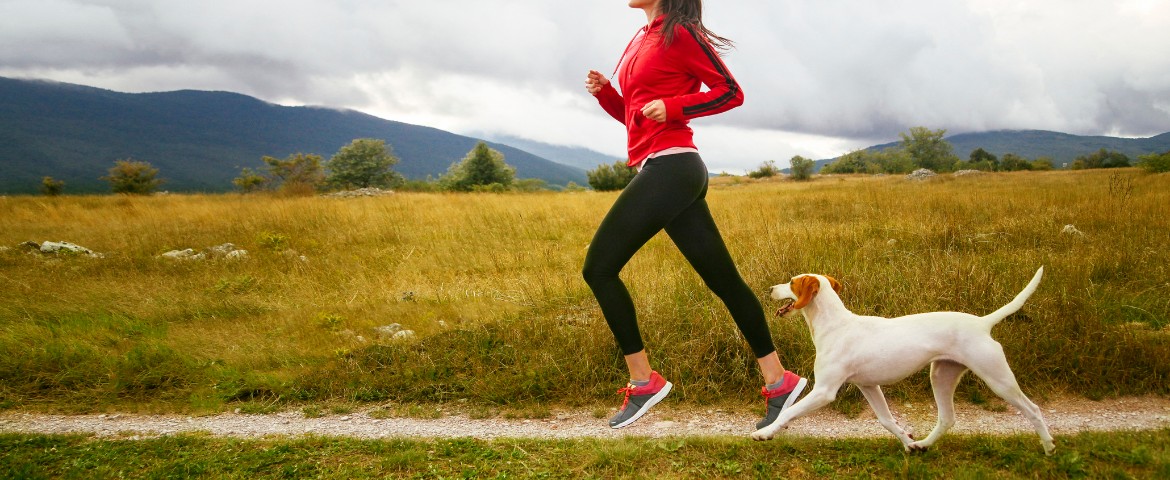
<point x="805" y="287"/>
<point x="835" y="284"/>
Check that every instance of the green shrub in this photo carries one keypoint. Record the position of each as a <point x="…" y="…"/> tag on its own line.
<point x="133" y="177"/>
<point x="767" y="170"/>
<point x="611" y="177"/>
<point x="1155" y="162"/>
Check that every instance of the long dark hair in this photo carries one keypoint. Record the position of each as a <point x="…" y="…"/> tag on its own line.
<point x="688" y="13"/>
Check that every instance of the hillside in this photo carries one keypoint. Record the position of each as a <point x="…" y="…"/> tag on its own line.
<point x="578" y="157"/>
<point x="200" y="140"/>
<point x="1061" y="147"/>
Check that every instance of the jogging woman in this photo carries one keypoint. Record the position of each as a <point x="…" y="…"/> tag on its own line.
<point x="660" y="73"/>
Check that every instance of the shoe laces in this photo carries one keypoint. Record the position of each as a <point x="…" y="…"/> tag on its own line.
<point x="628" y="389"/>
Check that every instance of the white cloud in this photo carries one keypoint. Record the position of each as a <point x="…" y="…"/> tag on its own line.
<point x="821" y="78"/>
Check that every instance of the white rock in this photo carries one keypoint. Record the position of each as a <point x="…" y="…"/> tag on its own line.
<point x="390" y="329"/>
<point x="186" y="254"/>
<point x="237" y="254"/>
<point x="1071" y="230"/>
<point x="404" y="334"/>
<point x="57" y="247"/>
<point x="921" y="174"/>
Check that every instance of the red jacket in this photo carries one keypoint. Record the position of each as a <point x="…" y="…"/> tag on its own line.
<point x="648" y="72"/>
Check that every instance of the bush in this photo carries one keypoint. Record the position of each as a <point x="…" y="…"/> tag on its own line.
<point x="767" y="170"/>
<point x="1012" y="162"/>
<point x="133" y="177"/>
<point x="611" y="177"/>
<point x="51" y="187"/>
<point x="250" y="181"/>
<point x="891" y="160"/>
<point x="802" y="168"/>
<point x="1101" y="159"/>
<point x="478" y="171"/>
<point x="1155" y="163"/>
<point x="364" y="163"/>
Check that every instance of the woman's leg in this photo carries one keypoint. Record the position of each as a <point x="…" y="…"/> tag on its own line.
<point x="698" y="239"/>
<point x="655" y="197"/>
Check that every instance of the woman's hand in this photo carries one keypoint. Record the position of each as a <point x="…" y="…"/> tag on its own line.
<point x="595" y="81"/>
<point x="655" y="110"/>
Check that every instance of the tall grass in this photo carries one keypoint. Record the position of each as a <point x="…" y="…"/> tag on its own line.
<point x="491" y="286"/>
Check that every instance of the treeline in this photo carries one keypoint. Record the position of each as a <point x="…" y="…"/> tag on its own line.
<point x="363" y="163"/>
<point x="925" y="148"/>
<point x="368" y="163"/>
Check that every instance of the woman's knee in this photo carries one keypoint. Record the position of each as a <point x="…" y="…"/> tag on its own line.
<point x="594" y="274"/>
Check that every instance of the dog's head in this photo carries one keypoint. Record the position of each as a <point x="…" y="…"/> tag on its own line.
<point x="801" y="290"/>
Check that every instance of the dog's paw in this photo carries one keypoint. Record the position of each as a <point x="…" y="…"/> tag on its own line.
<point x="916" y="447"/>
<point x="763" y="434"/>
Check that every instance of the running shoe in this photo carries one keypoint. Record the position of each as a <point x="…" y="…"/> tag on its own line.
<point x="639" y="400"/>
<point x="781" y="397"/>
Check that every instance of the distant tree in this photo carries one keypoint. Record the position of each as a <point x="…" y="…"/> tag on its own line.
<point x="251" y="181"/>
<point x="133" y="177"/>
<point x="767" y="170"/>
<point x="365" y="162"/>
<point x="928" y="149"/>
<point x="297" y="174"/>
<point x="530" y="185"/>
<point x="1012" y="162"/>
<point x="1101" y="159"/>
<point x="1155" y="162"/>
<point x="890" y="160"/>
<point x="611" y="177"/>
<point x="981" y="159"/>
<point x="802" y="168"/>
<point x="483" y="169"/>
<point x="51" y="187"/>
<point x="1043" y="163"/>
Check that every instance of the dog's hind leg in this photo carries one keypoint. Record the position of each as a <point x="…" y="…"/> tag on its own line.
<point x="877" y="401"/>
<point x="944" y="377"/>
<point x="994" y="371"/>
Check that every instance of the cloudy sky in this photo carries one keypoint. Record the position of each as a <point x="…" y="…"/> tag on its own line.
<point x="821" y="78"/>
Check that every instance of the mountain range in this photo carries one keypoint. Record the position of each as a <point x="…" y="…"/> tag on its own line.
<point x="200" y="140"/>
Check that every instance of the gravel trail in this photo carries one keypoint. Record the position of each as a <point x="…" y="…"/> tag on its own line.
<point x="1064" y="416"/>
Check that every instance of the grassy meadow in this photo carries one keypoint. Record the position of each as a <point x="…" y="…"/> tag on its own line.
<point x="491" y="286"/>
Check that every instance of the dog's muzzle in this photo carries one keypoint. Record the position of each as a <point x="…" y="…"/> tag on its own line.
<point x="786" y="308"/>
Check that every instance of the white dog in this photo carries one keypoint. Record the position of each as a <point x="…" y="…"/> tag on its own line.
<point x="874" y="351"/>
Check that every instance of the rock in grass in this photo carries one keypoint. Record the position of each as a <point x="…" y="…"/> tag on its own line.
<point x="226" y="250"/>
<point x="388" y="330"/>
<point x="67" y="248"/>
<point x="185" y="254"/>
<point x="921" y="174"/>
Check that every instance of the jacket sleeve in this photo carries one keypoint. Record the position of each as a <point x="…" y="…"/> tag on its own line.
<point x="697" y="57"/>
<point x="612" y="102"/>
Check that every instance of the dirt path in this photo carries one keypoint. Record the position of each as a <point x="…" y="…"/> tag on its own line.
<point x="1064" y="416"/>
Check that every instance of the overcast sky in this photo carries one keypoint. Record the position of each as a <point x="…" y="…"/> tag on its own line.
<point x="820" y="78"/>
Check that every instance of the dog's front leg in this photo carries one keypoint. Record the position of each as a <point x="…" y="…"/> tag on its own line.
<point x="877" y="401"/>
<point x="822" y="394"/>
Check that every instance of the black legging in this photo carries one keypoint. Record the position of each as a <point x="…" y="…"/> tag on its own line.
<point x="669" y="193"/>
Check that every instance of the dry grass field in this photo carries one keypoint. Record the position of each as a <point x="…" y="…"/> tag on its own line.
<point x="491" y="286"/>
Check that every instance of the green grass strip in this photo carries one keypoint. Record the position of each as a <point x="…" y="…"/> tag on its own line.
<point x="1087" y="455"/>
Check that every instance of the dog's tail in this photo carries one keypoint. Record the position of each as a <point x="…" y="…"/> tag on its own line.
<point x="1016" y="303"/>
